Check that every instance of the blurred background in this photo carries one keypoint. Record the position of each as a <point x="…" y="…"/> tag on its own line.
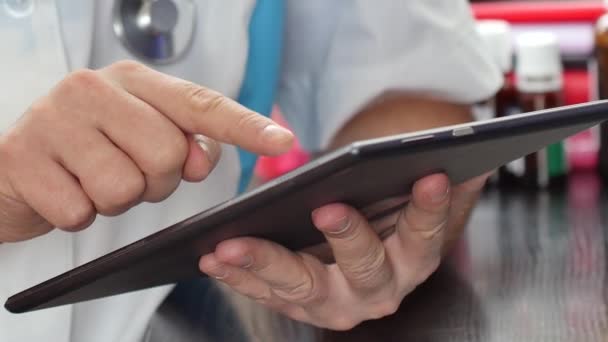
<point x="566" y="39"/>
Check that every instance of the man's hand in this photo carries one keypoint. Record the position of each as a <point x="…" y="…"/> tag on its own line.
<point x="103" y="141"/>
<point x="369" y="278"/>
<point x="370" y="266"/>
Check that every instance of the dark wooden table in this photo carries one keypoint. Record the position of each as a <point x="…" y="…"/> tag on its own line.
<point x="532" y="266"/>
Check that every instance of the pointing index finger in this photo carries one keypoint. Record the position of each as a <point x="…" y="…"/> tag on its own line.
<point x="198" y="110"/>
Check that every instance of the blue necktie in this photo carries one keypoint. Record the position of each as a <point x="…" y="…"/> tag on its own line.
<point x="199" y="301"/>
<point x="262" y="71"/>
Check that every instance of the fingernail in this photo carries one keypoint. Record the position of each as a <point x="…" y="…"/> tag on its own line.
<point x="245" y="261"/>
<point x="205" y="145"/>
<point x="218" y="273"/>
<point x="337" y="227"/>
<point x="441" y="193"/>
<point x="276" y="135"/>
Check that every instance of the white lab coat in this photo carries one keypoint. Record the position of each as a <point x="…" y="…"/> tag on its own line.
<point x="338" y="56"/>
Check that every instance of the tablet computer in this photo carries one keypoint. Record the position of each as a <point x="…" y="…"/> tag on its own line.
<point x="358" y="174"/>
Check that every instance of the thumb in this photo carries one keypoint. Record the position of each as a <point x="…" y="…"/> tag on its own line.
<point x="203" y="156"/>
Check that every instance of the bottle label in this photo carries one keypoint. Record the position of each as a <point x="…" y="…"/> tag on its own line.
<point x="542" y="167"/>
<point x="518" y="166"/>
<point x="556" y="160"/>
<point x="485" y="110"/>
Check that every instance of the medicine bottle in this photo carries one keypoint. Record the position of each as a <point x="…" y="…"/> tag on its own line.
<point x="497" y="38"/>
<point x="539" y="82"/>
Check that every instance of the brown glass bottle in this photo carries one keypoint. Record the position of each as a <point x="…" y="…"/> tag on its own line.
<point x="497" y="38"/>
<point x="506" y="99"/>
<point x="506" y="103"/>
<point x="538" y="171"/>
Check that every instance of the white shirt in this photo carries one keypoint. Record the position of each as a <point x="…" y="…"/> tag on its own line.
<point x="338" y="56"/>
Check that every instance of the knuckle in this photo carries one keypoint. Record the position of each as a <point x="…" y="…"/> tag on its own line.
<point x="168" y="157"/>
<point x="213" y="102"/>
<point x="209" y="102"/>
<point x="426" y="208"/>
<point x="201" y="98"/>
<point x="115" y="200"/>
<point x="354" y="229"/>
<point x="80" y="89"/>
<point x="368" y="272"/>
<point x="264" y="298"/>
<point x="430" y="234"/>
<point x="11" y="148"/>
<point x="303" y="293"/>
<point x="77" y="81"/>
<point x="248" y="120"/>
<point x="232" y="280"/>
<point x="261" y="266"/>
<point x="128" y="66"/>
<point x="41" y="108"/>
<point x="77" y="216"/>
<point x="159" y="194"/>
<point x="350" y="234"/>
<point x="432" y="211"/>
<point x="427" y="229"/>
<point x="45" y="112"/>
<point x="131" y="189"/>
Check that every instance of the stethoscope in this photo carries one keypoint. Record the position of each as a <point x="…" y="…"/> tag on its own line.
<point x="156" y="31"/>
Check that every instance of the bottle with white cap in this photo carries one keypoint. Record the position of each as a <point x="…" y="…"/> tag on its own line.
<point x="539" y="82"/>
<point x="496" y="36"/>
<point x="539" y="67"/>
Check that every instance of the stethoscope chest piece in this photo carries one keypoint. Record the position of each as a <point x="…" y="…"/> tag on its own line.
<point x="157" y="31"/>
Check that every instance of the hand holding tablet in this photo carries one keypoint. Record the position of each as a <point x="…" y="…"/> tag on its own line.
<point x="358" y="175"/>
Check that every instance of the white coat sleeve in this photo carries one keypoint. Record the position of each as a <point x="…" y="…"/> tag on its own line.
<point x="341" y="54"/>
